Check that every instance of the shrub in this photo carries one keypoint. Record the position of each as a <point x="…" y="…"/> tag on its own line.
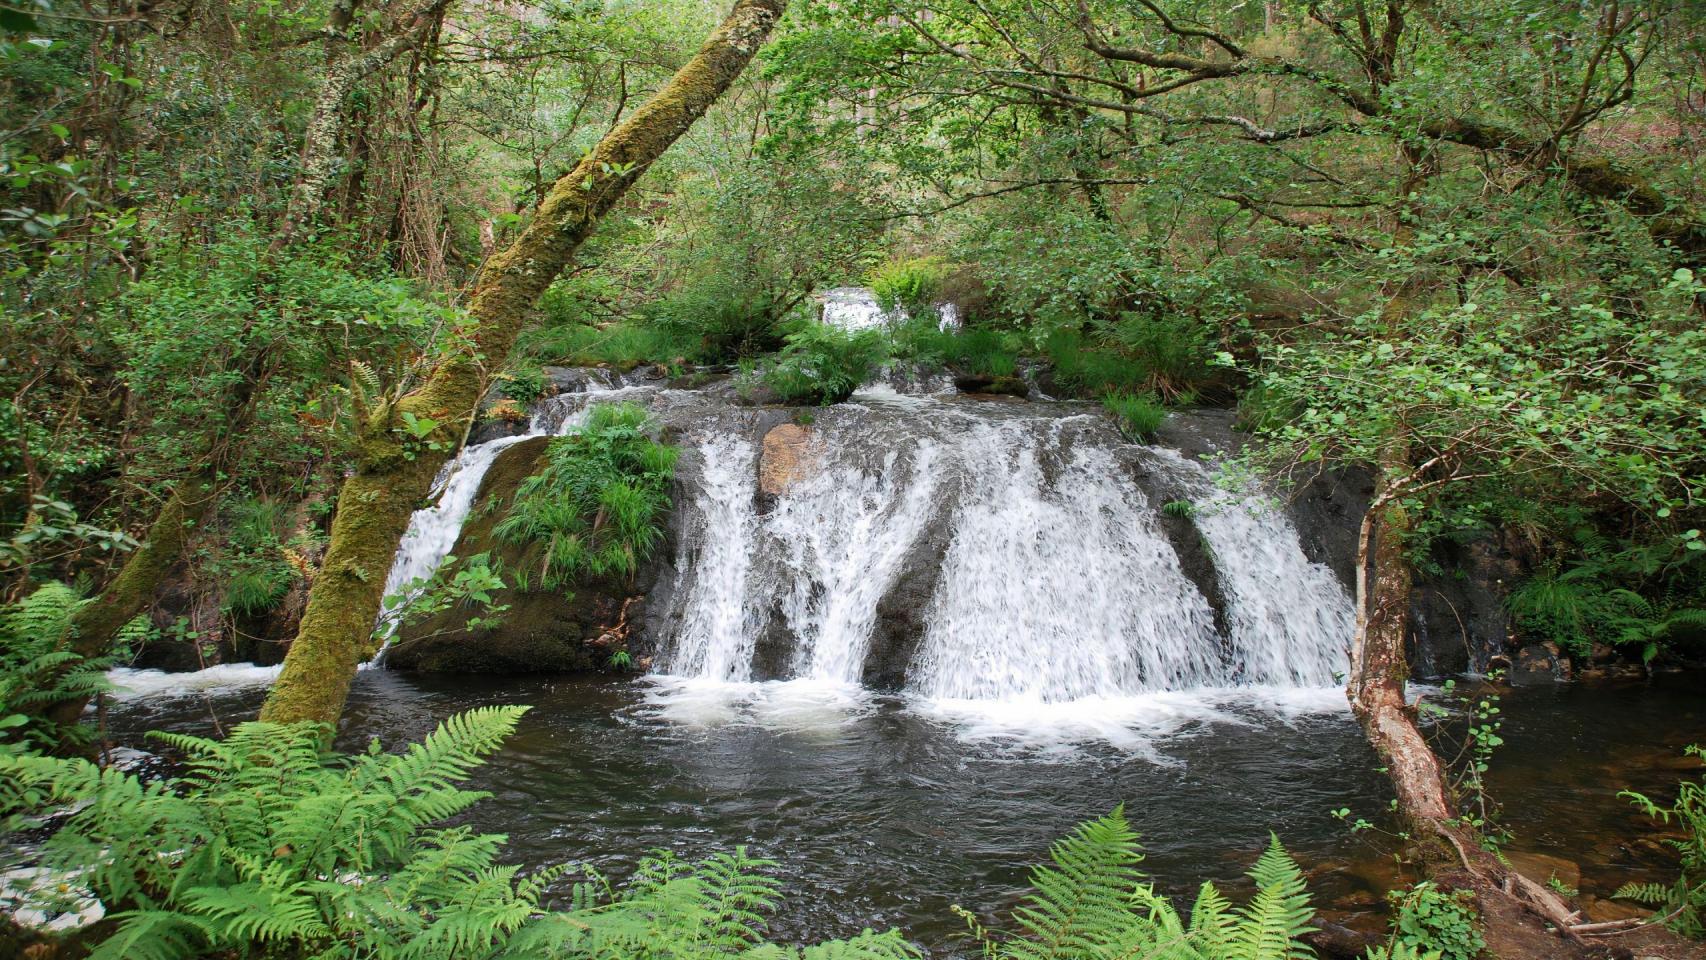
<point x="623" y="345"/>
<point x="1090" y="371"/>
<point x="1431" y="918"/>
<point x="598" y="506"/>
<point x="910" y="285"/>
<point x="1139" y="415"/>
<point x="823" y="364"/>
<point x="256" y="573"/>
<point x="524" y="384"/>
<point x="1684" y="902"/>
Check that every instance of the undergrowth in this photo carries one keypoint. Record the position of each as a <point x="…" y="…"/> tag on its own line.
<point x="822" y="364"/>
<point x="598" y="506"/>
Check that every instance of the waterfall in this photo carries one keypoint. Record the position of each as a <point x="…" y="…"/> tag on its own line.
<point x="1281" y="605"/>
<point x="1014" y="563"/>
<point x="1060" y="587"/>
<point x="1037" y="571"/>
<point x="716" y="636"/>
<point x="856" y="308"/>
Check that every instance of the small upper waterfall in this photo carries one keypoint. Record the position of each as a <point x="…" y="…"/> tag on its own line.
<point x="433" y="529"/>
<point x="856" y="308"/>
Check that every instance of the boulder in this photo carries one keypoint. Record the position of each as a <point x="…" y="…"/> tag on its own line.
<point x="1537" y="664"/>
<point x="789" y="455"/>
<point x="543" y="631"/>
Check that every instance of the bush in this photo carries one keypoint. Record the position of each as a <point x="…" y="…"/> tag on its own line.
<point x="823" y="364"/>
<point x="598" y="506"/>
<point x="622" y="345"/>
<point x="1139" y="415"/>
<point x="1431" y="918"/>
<point x="909" y="285"/>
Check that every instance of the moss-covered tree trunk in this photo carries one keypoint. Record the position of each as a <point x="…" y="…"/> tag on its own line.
<point x="394" y="474"/>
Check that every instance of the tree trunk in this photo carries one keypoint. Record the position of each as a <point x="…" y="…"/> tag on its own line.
<point x="1378" y="675"/>
<point x="394" y="473"/>
<point x="320" y="140"/>
<point x="1379" y="669"/>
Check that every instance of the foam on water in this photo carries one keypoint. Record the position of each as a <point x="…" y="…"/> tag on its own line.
<point x="134" y="684"/>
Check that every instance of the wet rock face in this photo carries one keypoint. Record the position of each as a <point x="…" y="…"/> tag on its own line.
<point x="543" y="631"/>
<point x="1458" y="622"/>
<point x="1538" y="664"/>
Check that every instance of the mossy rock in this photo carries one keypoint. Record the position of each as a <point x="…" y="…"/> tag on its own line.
<point x="543" y="631"/>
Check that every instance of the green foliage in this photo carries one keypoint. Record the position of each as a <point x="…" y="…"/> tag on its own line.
<point x="523" y="384"/>
<point x="823" y="364"/>
<point x="271" y="845"/>
<point x="976" y="350"/>
<point x="598" y="506"/>
<point x="1139" y="416"/>
<point x="621" y="345"/>
<point x="1091" y="903"/>
<point x="1684" y="902"/>
<point x="1589" y="598"/>
<point x="1430" y="918"/>
<point x="257" y="575"/>
<point x="37" y="671"/>
<point x="471" y="582"/>
<point x="909" y="285"/>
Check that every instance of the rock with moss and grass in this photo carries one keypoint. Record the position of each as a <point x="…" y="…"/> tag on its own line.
<point x="573" y="527"/>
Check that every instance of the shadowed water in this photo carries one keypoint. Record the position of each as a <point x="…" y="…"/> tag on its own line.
<point x="880" y="814"/>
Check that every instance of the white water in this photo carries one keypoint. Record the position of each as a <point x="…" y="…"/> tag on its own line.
<point x="1281" y="605"/>
<point x="1057" y="609"/>
<point x="715" y="640"/>
<point x="856" y="308"/>
<point x="1057" y="589"/>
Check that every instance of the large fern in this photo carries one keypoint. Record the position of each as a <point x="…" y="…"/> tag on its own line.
<point x="1090" y="904"/>
<point x="1683" y="903"/>
<point x="38" y="670"/>
<point x="270" y="845"/>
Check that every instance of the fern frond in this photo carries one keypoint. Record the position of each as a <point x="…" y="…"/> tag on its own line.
<point x="1651" y="894"/>
<point x="1083" y="903"/>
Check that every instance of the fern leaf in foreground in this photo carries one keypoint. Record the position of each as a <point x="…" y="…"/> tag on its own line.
<point x="1081" y="905"/>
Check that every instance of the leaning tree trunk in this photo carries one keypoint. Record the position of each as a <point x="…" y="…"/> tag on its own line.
<point x="394" y="472"/>
<point x="1376" y="689"/>
<point x="1379" y="669"/>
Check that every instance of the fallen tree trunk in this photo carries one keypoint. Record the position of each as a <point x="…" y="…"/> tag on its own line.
<point x="395" y="469"/>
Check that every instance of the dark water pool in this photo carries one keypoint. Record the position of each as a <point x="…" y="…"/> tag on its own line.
<point x="882" y="816"/>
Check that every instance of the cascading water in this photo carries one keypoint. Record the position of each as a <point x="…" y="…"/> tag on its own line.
<point x="1036" y="569"/>
<point x="1059" y="584"/>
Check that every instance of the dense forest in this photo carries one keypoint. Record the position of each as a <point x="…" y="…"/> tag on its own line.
<point x="1010" y="357"/>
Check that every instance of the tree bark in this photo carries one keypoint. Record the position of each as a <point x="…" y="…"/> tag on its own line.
<point x="1379" y="669"/>
<point x="320" y="140"/>
<point x="395" y="472"/>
